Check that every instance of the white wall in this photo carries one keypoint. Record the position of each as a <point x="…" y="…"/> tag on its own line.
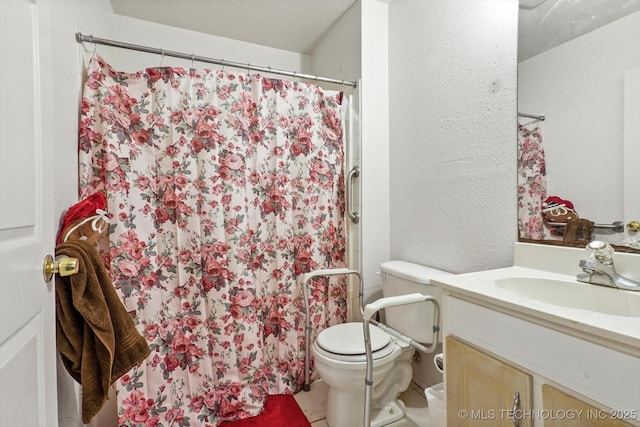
<point x="166" y="37"/>
<point x="65" y="18"/>
<point x="453" y="132"/>
<point x="338" y="54"/>
<point x="579" y="87"/>
<point x="375" y="143"/>
<point x="68" y="17"/>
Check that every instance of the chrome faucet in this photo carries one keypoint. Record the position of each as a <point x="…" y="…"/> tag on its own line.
<point x="599" y="268"/>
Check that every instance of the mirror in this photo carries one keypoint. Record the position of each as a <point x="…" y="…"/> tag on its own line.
<point x="579" y="70"/>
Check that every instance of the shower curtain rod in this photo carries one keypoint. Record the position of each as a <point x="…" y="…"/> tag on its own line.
<point x="531" y="116"/>
<point x="96" y="40"/>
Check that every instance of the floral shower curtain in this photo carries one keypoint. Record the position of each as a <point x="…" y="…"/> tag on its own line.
<point x="223" y="189"/>
<point x="532" y="183"/>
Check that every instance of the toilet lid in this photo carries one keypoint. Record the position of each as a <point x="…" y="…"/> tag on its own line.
<point x="348" y="338"/>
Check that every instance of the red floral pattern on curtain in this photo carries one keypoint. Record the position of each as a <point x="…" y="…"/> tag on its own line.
<point x="223" y="189"/>
<point x="532" y="183"/>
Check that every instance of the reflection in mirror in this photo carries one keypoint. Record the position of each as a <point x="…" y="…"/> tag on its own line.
<point x="578" y="76"/>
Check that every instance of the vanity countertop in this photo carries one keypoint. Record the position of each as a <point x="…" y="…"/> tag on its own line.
<point x="614" y="331"/>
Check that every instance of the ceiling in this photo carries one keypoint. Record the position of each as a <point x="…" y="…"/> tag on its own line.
<point x="298" y="25"/>
<point x="292" y="25"/>
<point x="544" y="24"/>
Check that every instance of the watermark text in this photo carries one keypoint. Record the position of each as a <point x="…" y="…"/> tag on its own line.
<point x="547" y="414"/>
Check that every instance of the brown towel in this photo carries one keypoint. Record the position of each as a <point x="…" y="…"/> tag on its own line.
<point x="96" y="337"/>
<point x="578" y="229"/>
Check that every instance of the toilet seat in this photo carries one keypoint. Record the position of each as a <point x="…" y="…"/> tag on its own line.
<point x="345" y="342"/>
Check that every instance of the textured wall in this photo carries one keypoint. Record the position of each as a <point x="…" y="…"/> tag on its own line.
<point x="453" y="132"/>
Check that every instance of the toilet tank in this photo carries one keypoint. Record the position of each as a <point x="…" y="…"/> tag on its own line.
<point x="401" y="278"/>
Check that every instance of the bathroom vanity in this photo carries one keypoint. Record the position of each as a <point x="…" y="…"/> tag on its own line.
<point x="530" y="342"/>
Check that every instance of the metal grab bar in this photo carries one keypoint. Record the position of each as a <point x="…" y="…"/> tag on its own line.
<point x="307" y="328"/>
<point x="616" y="227"/>
<point x="367" y="312"/>
<point x="353" y="173"/>
<point x="371" y="309"/>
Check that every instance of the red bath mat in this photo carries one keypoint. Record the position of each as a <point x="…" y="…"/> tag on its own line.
<point x="281" y="410"/>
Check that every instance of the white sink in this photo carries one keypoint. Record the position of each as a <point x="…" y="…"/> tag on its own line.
<point x="575" y="294"/>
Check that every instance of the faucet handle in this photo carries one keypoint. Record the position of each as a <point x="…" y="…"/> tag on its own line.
<point x="600" y="251"/>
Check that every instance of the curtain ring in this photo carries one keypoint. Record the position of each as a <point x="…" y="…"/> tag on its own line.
<point x="161" y="58"/>
<point x="193" y="58"/>
<point x="95" y="46"/>
<point x="248" y="72"/>
<point x="222" y="63"/>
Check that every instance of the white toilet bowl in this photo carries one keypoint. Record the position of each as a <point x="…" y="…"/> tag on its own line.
<point x="340" y="360"/>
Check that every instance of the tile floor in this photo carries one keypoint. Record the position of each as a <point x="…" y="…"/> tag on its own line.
<point x="313" y="403"/>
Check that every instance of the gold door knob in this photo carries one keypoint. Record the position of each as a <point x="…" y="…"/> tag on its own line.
<point x="63" y="267"/>
<point x="633" y="226"/>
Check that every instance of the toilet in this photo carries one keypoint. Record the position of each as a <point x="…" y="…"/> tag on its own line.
<point x="339" y="354"/>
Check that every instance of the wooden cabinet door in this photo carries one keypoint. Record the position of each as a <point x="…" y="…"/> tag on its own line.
<point x="564" y="410"/>
<point x="480" y="389"/>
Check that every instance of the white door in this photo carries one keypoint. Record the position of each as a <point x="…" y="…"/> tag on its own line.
<point x="632" y="150"/>
<point x="27" y="316"/>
